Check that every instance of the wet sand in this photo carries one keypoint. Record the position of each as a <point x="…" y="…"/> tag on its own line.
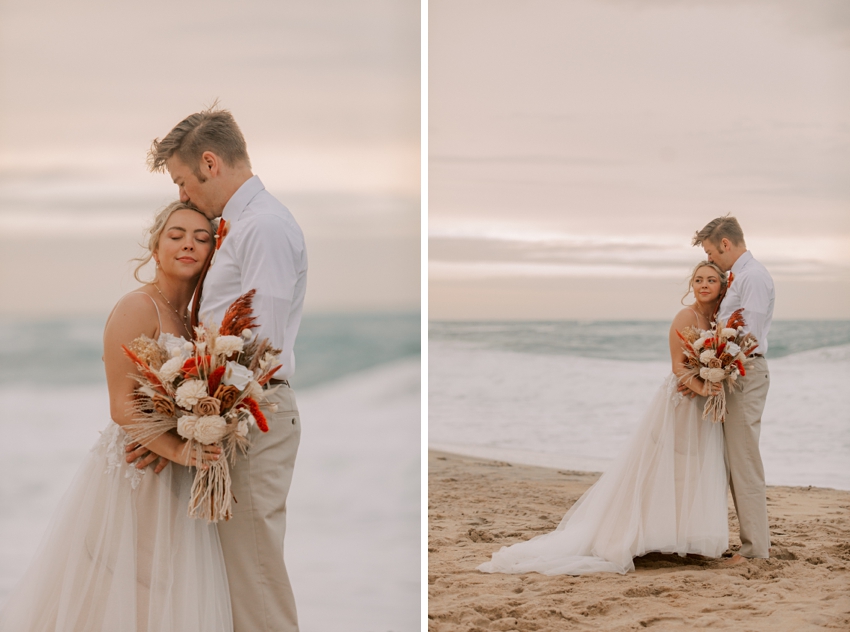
<point x="477" y="506"/>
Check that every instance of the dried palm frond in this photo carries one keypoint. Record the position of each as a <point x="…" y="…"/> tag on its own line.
<point x="736" y="319"/>
<point x="239" y="316"/>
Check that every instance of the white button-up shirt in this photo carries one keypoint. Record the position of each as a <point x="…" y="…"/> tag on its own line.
<point x="752" y="289"/>
<point x="263" y="250"/>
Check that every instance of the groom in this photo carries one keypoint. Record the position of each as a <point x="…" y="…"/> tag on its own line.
<point x="206" y="157"/>
<point x="751" y="288"/>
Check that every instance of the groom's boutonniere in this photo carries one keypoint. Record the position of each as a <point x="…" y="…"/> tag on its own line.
<point x="221" y="232"/>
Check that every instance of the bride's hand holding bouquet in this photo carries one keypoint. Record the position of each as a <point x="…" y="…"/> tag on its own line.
<point x="203" y="395"/>
<point x="716" y="356"/>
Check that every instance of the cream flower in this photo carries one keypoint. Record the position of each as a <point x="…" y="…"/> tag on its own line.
<point x="697" y="345"/>
<point x="225" y="345"/>
<point x="189" y="393"/>
<point x="236" y="375"/>
<point x="246" y="334"/>
<point x="255" y="391"/>
<point x="704" y="357"/>
<point x="171" y="369"/>
<point x="712" y="375"/>
<point x="732" y="349"/>
<point x="210" y="429"/>
<point x="242" y="427"/>
<point x="186" y="426"/>
<point x="147" y="390"/>
<point x="729" y="332"/>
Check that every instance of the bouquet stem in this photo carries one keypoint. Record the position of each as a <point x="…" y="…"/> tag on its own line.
<point x="211" y="493"/>
<point x="715" y="407"/>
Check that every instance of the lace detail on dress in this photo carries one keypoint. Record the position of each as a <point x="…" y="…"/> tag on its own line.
<point x="111" y="445"/>
<point x="673" y="393"/>
<point x="113" y="438"/>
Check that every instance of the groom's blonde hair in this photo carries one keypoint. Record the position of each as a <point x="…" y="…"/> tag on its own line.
<point x="725" y="227"/>
<point x="213" y="129"/>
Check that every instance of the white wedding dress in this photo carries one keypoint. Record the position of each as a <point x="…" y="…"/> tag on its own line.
<point x="666" y="492"/>
<point x="122" y="555"/>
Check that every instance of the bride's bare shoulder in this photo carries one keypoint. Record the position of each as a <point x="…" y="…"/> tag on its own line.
<point x="134" y="312"/>
<point x="685" y="318"/>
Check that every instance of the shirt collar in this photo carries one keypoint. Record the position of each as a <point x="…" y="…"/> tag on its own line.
<point x="742" y="261"/>
<point x="239" y="200"/>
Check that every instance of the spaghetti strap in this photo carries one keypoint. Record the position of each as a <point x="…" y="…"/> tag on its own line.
<point x="158" y="317"/>
<point x="696" y="313"/>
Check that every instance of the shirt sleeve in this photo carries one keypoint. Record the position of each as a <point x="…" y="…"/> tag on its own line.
<point x="271" y="257"/>
<point x="754" y="293"/>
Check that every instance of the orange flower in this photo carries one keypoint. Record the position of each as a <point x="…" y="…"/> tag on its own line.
<point x="193" y="366"/>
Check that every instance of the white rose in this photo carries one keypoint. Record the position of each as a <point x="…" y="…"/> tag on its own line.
<point x="225" y="345"/>
<point x="729" y="333"/>
<point x="186" y="426"/>
<point x="210" y="429"/>
<point x="706" y="355"/>
<point x="189" y="392"/>
<point x="712" y="375"/>
<point x="732" y="349"/>
<point x="171" y="369"/>
<point x="236" y="375"/>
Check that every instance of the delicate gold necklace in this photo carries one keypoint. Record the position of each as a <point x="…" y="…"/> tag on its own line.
<point x="182" y="318"/>
<point x="699" y="311"/>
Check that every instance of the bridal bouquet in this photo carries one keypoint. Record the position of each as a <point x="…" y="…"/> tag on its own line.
<point x="717" y="355"/>
<point x="210" y="391"/>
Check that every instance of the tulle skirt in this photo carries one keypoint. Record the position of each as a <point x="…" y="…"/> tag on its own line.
<point x="666" y="492"/>
<point x="122" y="555"/>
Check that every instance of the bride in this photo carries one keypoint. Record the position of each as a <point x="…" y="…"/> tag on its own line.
<point x="121" y="553"/>
<point x="665" y="493"/>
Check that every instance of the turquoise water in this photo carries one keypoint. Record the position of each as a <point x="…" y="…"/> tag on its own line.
<point x="622" y="340"/>
<point x="329" y="346"/>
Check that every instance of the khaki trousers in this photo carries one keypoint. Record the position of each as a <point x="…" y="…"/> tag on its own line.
<point x="741" y="430"/>
<point x="252" y="540"/>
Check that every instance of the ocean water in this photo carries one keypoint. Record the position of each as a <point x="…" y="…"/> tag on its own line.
<point x="568" y="394"/>
<point x="328" y="347"/>
<point x="353" y="533"/>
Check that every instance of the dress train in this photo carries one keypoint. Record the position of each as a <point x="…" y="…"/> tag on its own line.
<point x="666" y="492"/>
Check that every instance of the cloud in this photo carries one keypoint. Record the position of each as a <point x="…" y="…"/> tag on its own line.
<point x="593" y="256"/>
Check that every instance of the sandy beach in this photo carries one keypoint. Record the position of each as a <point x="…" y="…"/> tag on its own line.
<point x="476" y="506"/>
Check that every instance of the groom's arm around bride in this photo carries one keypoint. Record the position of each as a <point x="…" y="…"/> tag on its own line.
<point x="206" y="157"/>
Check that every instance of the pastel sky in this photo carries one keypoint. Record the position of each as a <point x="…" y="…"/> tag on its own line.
<point x="575" y="148"/>
<point x="326" y="93"/>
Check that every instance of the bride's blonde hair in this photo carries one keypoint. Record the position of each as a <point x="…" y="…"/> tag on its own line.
<point x="155" y="233"/>
<point x="707" y="264"/>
